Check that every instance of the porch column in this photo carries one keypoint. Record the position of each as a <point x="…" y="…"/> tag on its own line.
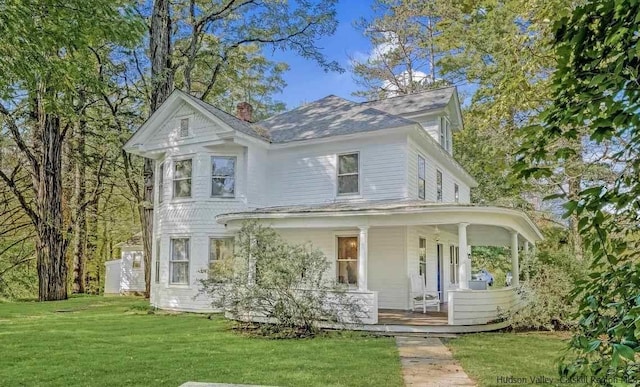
<point x="515" y="267"/>
<point x="362" y="257"/>
<point x="463" y="247"/>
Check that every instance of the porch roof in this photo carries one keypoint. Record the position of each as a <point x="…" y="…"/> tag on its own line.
<point x="389" y="213"/>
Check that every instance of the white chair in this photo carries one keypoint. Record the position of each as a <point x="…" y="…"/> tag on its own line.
<point x="421" y="297"/>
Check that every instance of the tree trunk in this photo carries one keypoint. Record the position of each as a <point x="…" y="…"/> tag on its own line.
<point x="50" y="242"/>
<point x="80" y="225"/>
<point x="162" y="84"/>
<point x="92" y="247"/>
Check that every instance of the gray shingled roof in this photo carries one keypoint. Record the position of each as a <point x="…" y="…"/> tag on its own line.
<point x="414" y="103"/>
<point x="234" y="122"/>
<point x="329" y="116"/>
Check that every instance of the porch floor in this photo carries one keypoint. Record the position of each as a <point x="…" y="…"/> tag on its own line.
<point x="407" y="317"/>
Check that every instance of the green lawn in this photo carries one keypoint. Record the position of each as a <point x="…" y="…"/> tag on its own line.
<point x="487" y="356"/>
<point x="95" y="341"/>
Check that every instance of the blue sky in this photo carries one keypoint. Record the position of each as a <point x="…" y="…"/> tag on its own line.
<point x="306" y="81"/>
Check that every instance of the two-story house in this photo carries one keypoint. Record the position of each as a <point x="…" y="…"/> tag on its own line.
<point x="374" y="185"/>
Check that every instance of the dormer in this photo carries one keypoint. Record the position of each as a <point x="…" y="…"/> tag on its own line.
<point x="436" y="110"/>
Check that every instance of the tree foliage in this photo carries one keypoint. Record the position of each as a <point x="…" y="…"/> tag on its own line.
<point x="287" y="286"/>
<point x="595" y="87"/>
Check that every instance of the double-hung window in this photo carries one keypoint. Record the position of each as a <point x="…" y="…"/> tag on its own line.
<point x="348" y="174"/>
<point x="456" y="192"/>
<point x="422" y="258"/>
<point x="179" y="264"/>
<point x="137" y="260"/>
<point x="438" y="186"/>
<point x="454" y="260"/>
<point x="421" y="177"/>
<point x="184" y="127"/>
<point x="182" y="179"/>
<point x="223" y="176"/>
<point x="161" y="183"/>
<point x="348" y="260"/>
<point x="158" y="261"/>
<point x="220" y="249"/>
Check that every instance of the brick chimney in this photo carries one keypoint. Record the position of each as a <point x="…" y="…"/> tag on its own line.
<point x="244" y="111"/>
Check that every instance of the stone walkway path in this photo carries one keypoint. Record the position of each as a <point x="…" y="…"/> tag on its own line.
<point x="426" y="362"/>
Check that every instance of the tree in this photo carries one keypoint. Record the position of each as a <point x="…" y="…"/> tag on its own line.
<point x="202" y="37"/>
<point x="286" y="285"/>
<point x="44" y="64"/>
<point x="404" y="55"/>
<point x="595" y="87"/>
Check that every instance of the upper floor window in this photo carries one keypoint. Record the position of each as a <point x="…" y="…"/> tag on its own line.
<point x="421" y="177"/>
<point x="445" y="133"/>
<point x="456" y="192"/>
<point x="439" y="186"/>
<point x="184" y="127"/>
<point x="348" y="174"/>
<point x="179" y="264"/>
<point x="223" y="176"/>
<point x="161" y="183"/>
<point x="182" y="179"/>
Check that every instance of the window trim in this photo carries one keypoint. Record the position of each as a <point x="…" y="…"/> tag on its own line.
<point x="173" y="179"/>
<point x="337" y="260"/>
<point x="235" y="176"/>
<point x="338" y="175"/>
<point x="445" y="133"/>
<point x="422" y="180"/>
<point x="439" y="179"/>
<point x="172" y="261"/>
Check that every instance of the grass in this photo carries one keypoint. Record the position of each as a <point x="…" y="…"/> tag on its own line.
<point x="487" y="356"/>
<point x="96" y="341"/>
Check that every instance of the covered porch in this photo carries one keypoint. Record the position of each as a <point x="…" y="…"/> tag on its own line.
<point x="375" y="248"/>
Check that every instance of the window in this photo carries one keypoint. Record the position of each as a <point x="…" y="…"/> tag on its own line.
<point x="456" y="192"/>
<point x="439" y="186"/>
<point x="348" y="260"/>
<point x="422" y="258"/>
<point x="454" y="263"/>
<point x="136" y="260"/>
<point x="348" y="167"/>
<point x="219" y="249"/>
<point x="445" y="133"/>
<point x="182" y="179"/>
<point x="421" y="177"/>
<point x="161" y="183"/>
<point x="223" y="177"/>
<point x="184" y="127"/>
<point x="158" y="261"/>
<point x="179" y="264"/>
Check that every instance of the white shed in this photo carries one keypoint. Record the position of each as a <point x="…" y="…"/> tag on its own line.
<point x="126" y="275"/>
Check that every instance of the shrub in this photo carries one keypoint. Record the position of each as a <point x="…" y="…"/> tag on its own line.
<point x="284" y="286"/>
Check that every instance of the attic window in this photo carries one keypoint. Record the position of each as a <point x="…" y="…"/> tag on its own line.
<point x="445" y="133"/>
<point x="184" y="127"/>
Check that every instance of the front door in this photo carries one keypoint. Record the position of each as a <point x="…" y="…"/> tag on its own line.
<point x="440" y="269"/>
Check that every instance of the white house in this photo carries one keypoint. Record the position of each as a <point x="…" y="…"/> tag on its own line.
<point x="126" y="275"/>
<point x="373" y="185"/>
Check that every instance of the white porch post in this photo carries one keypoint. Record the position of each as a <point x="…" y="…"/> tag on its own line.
<point x="515" y="267"/>
<point x="362" y="257"/>
<point x="463" y="246"/>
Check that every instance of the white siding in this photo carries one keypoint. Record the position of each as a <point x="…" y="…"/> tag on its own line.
<point x="112" y="277"/>
<point x="387" y="266"/>
<point x="307" y="174"/>
<point x="468" y="307"/>
<point x="448" y="179"/>
<point x="131" y="280"/>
